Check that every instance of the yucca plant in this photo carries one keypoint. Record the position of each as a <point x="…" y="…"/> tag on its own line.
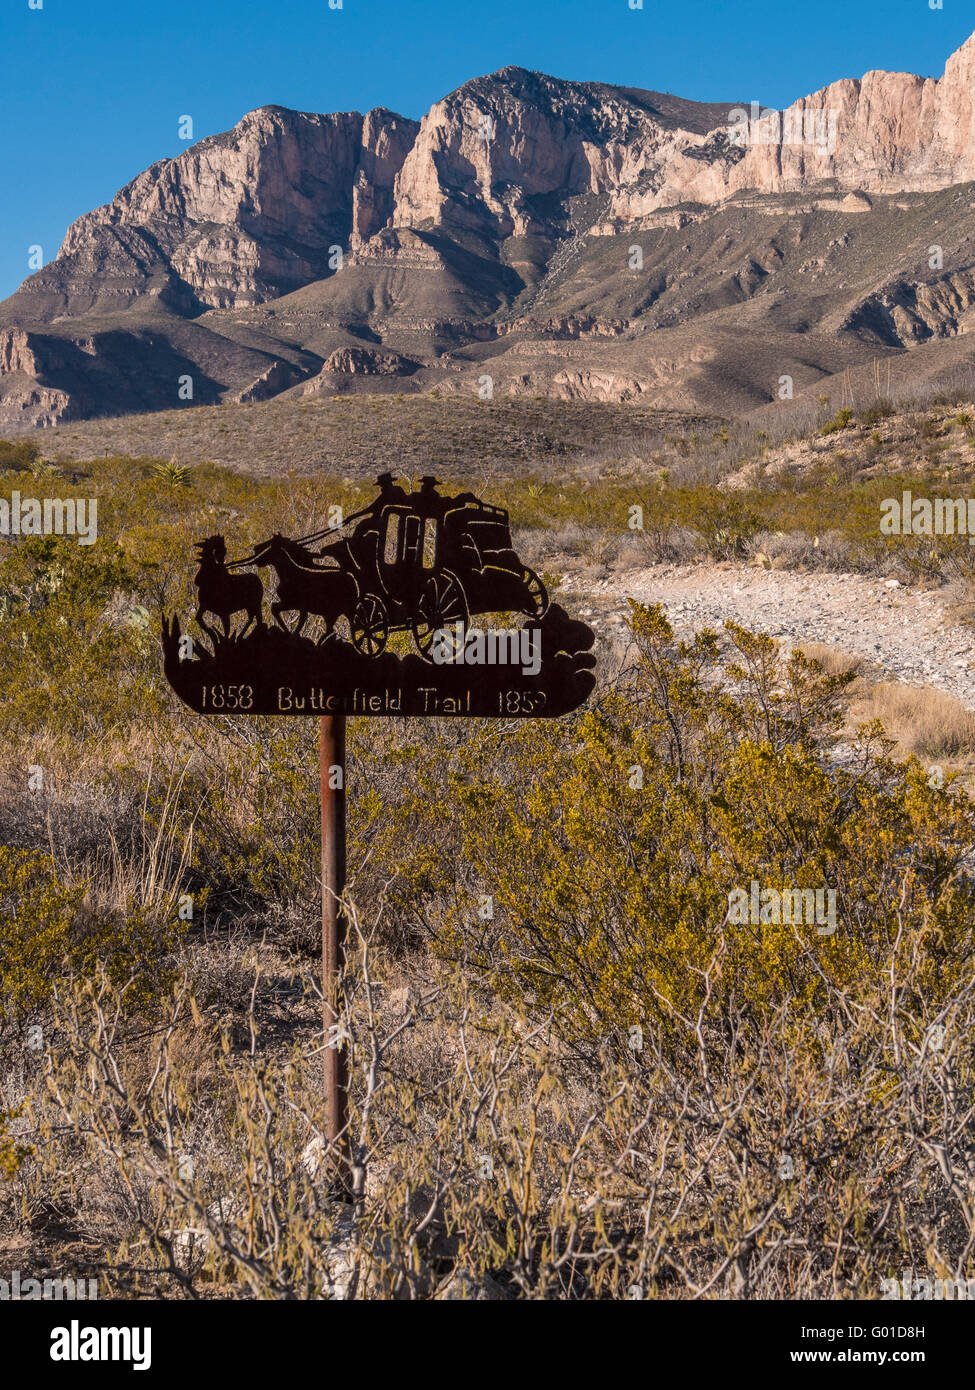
<point x="175" y="475"/>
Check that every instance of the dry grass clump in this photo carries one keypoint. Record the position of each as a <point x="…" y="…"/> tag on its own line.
<point x="922" y="720"/>
<point x="834" y="660"/>
<point x="800" y="550"/>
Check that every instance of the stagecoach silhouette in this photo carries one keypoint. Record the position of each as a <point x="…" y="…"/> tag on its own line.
<point x="410" y="562"/>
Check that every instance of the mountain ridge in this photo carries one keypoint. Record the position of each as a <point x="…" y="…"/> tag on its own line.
<point x="505" y="216"/>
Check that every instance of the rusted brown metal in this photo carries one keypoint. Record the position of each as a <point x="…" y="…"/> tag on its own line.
<point x="419" y="564"/>
<point x="414" y="563"/>
<point x="334" y="929"/>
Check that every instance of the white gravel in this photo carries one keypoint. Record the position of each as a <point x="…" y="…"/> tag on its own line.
<point x="904" y="632"/>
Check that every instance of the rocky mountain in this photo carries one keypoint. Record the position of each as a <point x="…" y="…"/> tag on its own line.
<point x="555" y="237"/>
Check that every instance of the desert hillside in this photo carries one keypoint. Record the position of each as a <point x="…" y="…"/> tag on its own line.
<point x="528" y="236"/>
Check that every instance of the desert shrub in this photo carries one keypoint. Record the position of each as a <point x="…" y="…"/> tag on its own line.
<point x="840" y="421"/>
<point x="838" y="516"/>
<point x="256" y="828"/>
<point x="12" y="1154"/>
<point x="48" y="933"/>
<point x="881" y="409"/>
<point x="18" y="454"/>
<point x="256" y="832"/>
<point x="678" y="520"/>
<point x="93" y="677"/>
<point x="610" y="899"/>
<point x="727" y="526"/>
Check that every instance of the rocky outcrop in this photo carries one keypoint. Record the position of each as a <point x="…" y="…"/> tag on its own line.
<point x="520" y="154"/>
<point x="460" y="229"/>
<point x="347" y="363"/>
<point x="905" y="313"/>
<point x="367" y="362"/>
<point x="236" y="220"/>
<point x="25" y="405"/>
<point x="386" y="140"/>
<point x="494" y="154"/>
<point x="888" y="132"/>
<point x="250" y="215"/>
<point x="17" y="352"/>
<point x="277" y="378"/>
<point x="28" y="398"/>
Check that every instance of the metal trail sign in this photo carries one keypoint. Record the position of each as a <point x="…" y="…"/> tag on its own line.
<point x="414" y="563"/>
<point x="414" y="567"/>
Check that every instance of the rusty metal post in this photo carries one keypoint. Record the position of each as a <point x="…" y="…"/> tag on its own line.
<point x="333" y="928"/>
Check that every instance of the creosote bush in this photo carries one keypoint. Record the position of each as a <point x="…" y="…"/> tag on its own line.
<point x="573" y="1074"/>
<point x="52" y="933"/>
<point x="609" y="849"/>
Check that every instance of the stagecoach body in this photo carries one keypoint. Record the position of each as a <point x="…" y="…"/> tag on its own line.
<point x="471" y="541"/>
<point x="428" y="563"/>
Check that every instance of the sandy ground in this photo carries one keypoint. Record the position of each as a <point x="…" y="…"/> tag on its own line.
<point x="906" y="633"/>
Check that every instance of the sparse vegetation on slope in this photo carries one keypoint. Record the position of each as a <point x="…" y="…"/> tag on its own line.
<point x="611" y="1084"/>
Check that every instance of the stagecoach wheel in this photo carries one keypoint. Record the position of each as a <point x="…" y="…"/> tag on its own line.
<point x="370" y="625"/>
<point x="442" y="605"/>
<point x="537" y="601"/>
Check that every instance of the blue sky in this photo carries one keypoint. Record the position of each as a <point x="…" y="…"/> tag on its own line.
<point x="93" y="89"/>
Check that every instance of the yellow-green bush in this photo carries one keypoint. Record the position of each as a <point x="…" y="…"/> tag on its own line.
<point x="48" y="933"/>
<point x="12" y="1154"/>
<point x="840" y="421"/>
<point x="17" y="454"/>
<point x="610" y="899"/>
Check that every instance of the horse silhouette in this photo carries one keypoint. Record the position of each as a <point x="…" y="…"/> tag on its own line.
<point x="305" y="587"/>
<point x="223" y="594"/>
